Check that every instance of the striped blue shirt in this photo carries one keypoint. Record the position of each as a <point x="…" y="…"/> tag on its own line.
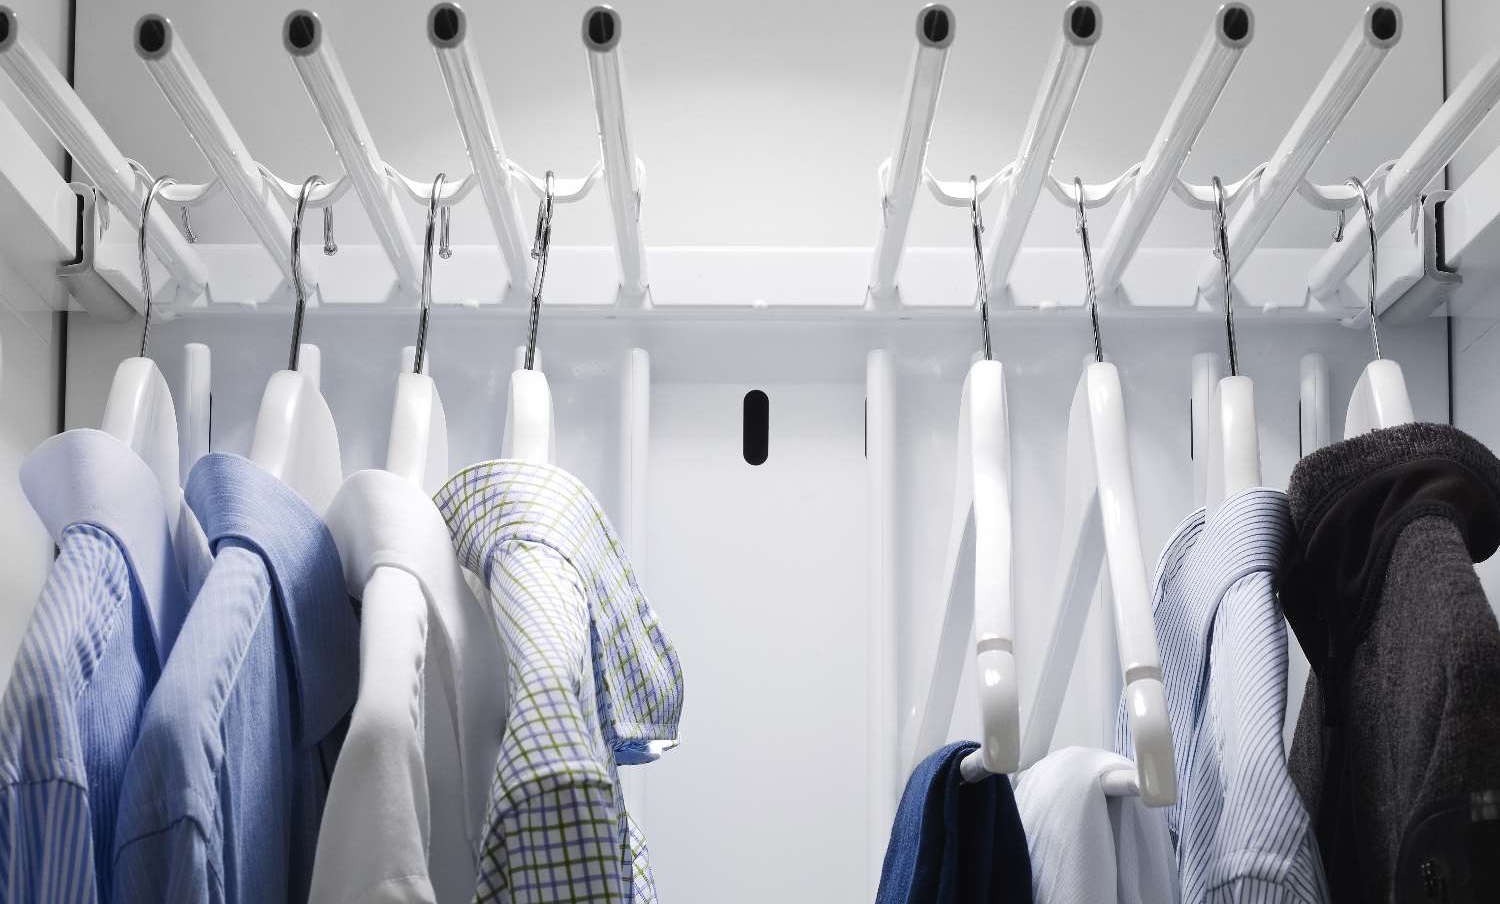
<point x="89" y="659"/>
<point x="224" y="790"/>
<point x="1242" y="832"/>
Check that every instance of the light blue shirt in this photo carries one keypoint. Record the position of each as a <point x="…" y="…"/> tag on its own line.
<point x="108" y="613"/>
<point x="1242" y="832"/>
<point x="225" y="788"/>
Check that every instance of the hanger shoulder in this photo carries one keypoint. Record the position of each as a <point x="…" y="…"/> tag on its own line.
<point x="1234" y="441"/>
<point x="418" y="447"/>
<point x="139" y="412"/>
<point x="530" y="434"/>
<point x="1135" y="628"/>
<point x="1379" y="400"/>
<point x="295" y="438"/>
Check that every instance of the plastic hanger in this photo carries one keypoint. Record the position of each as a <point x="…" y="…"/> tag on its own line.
<point x="1233" y="440"/>
<point x="1100" y="526"/>
<point x="530" y="434"/>
<point x="1208" y="370"/>
<point x="1315" y="422"/>
<point x="139" y="410"/>
<point x="295" y="438"/>
<point x="977" y="572"/>
<point x="418" y="448"/>
<point x="1380" y="398"/>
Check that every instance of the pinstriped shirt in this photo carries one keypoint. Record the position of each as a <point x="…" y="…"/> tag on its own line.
<point x="86" y="665"/>
<point x="1242" y="832"/>
<point x="593" y="683"/>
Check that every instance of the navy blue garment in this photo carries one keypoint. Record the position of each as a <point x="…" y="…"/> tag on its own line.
<point x="954" y="843"/>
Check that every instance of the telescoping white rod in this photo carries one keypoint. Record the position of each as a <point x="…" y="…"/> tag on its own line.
<point x="80" y="134"/>
<point x="448" y="30"/>
<point x="312" y="53"/>
<point x="1432" y="149"/>
<point x="1233" y="27"/>
<point x="161" y="48"/>
<point x="1082" y="24"/>
<point x="601" y="40"/>
<point x="936" y="26"/>
<point x="1379" y="30"/>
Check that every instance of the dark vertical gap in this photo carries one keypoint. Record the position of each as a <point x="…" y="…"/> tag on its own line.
<point x="60" y="321"/>
<point x="755" y="445"/>
<point x="1447" y="183"/>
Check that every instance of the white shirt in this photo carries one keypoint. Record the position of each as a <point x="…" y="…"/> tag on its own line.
<point x="408" y="796"/>
<point x="1087" y="848"/>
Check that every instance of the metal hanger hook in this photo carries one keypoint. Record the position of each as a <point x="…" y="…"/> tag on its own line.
<point x="307" y="187"/>
<point x="541" y="247"/>
<point x="151" y="193"/>
<point x="1364" y="202"/>
<point x="1081" y="226"/>
<point x="432" y="207"/>
<point x="981" y="280"/>
<point x="1221" y="251"/>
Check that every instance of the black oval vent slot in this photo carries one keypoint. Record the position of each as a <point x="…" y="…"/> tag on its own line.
<point x="757" y="427"/>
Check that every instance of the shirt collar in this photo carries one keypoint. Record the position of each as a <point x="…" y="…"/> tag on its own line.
<point x="89" y="477"/>
<point x="639" y="676"/>
<point x="235" y="499"/>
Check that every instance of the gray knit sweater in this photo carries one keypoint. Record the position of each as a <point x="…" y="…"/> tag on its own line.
<point x="1397" y="748"/>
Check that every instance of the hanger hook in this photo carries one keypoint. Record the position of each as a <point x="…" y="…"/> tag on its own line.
<point x="1364" y="202"/>
<point x="1221" y="251"/>
<point x="151" y="193"/>
<point x="981" y="280"/>
<point x="1081" y="226"/>
<point x="330" y="247"/>
<point x="307" y="187"/>
<point x="540" y="248"/>
<point x="432" y="206"/>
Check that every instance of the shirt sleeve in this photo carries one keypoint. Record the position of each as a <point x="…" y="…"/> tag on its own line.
<point x="372" y="843"/>
<point x="170" y="865"/>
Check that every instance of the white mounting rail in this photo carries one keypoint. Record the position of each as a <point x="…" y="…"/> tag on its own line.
<point x="1233" y="28"/>
<point x="622" y="171"/>
<point x="167" y="59"/>
<point x="84" y="138"/>
<point x="448" y="30"/>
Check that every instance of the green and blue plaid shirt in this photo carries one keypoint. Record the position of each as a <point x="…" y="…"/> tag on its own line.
<point x="593" y="682"/>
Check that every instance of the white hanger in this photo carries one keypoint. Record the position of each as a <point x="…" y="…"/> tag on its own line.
<point x="1100" y="525"/>
<point x="1380" y="398"/>
<point x="1315" y="422"/>
<point x="139" y="410"/>
<point x="295" y="438"/>
<point x="1208" y="370"/>
<point x="977" y="568"/>
<point x="418" y="447"/>
<point x="1233" y="441"/>
<point x="197" y="406"/>
<point x="530" y="433"/>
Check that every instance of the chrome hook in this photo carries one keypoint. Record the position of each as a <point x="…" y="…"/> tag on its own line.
<point x="1081" y="226"/>
<point x="307" y="186"/>
<point x="541" y="246"/>
<point x="445" y="227"/>
<point x="432" y="203"/>
<point x="1364" y="201"/>
<point x="330" y="247"/>
<point x="151" y="193"/>
<point x="981" y="281"/>
<point x="187" y="227"/>
<point x="1221" y="251"/>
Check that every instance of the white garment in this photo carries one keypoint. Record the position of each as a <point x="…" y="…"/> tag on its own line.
<point x="408" y="796"/>
<point x="1087" y="848"/>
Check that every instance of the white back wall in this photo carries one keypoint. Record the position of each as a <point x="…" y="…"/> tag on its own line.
<point x="763" y="126"/>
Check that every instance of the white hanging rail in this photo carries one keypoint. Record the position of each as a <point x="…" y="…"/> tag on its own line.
<point x="902" y="174"/>
<point x="1378" y="30"/>
<point x="622" y="171"/>
<point x="1432" y="149"/>
<point x="448" y="30"/>
<point x="1081" y="26"/>
<point x="1233" y="28"/>
<point x="312" y="53"/>
<point x="80" y="134"/>
<point x="167" y="59"/>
